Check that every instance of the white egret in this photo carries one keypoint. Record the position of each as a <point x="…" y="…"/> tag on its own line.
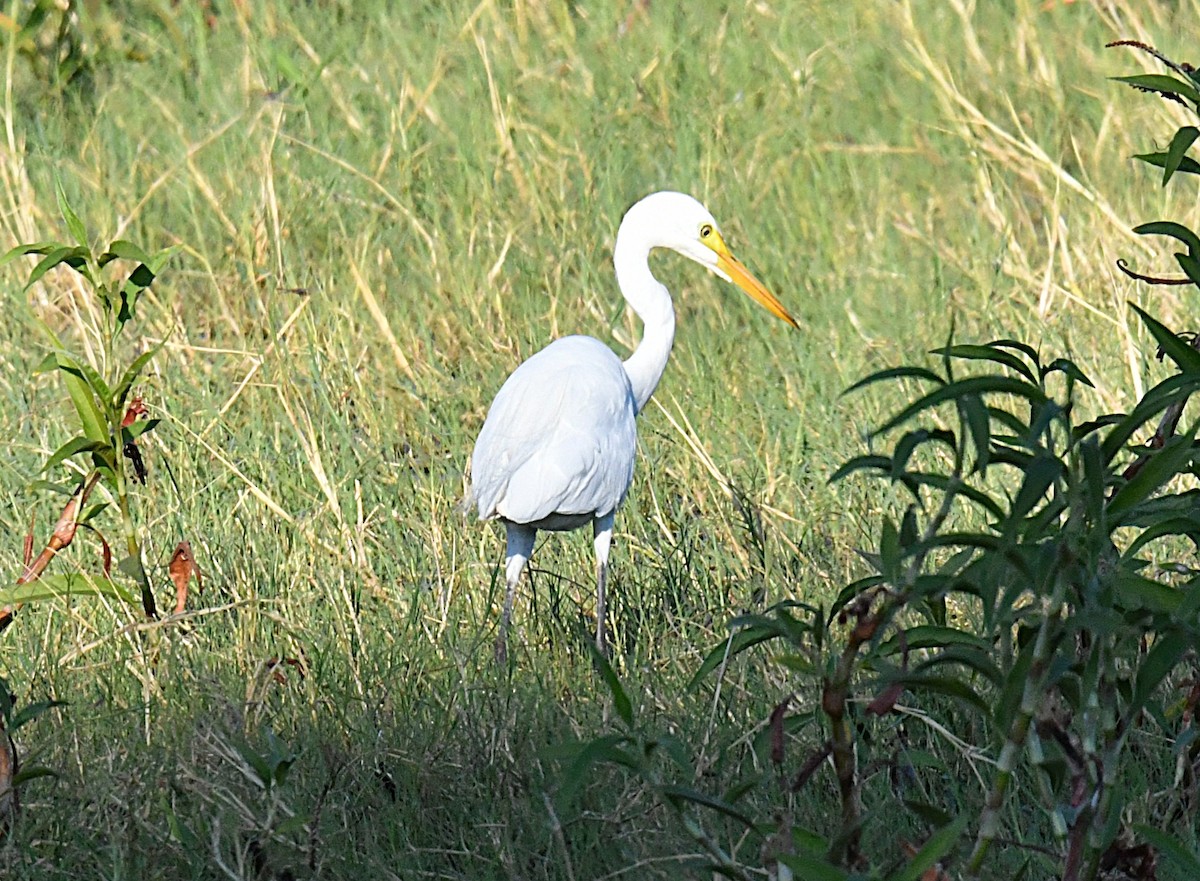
<point x="557" y="448"/>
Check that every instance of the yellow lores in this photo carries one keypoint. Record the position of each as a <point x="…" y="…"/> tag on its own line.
<point x="557" y="448"/>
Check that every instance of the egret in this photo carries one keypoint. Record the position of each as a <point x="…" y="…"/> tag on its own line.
<point x="557" y="447"/>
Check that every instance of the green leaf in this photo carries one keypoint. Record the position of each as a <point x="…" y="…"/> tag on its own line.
<point x="895" y="373"/>
<point x="927" y="636"/>
<point x="1133" y="591"/>
<point x="1155" y="667"/>
<point x="927" y="813"/>
<point x="1185" y="357"/>
<point x="862" y="463"/>
<point x="975" y="415"/>
<point x="987" y="353"/>
<point x="1159" y="160"/>
<point x="976" y="385"/>
<point x="70" y="448"/>
<point x="29" y="712"/>
<point x="1190" y="266"/>
<point x="75" y="257"/>
<point x="26" y="774"/>
<point x="676" y="794"/>
<point x="137" y="429"/>
<point x="938" y="845"/>
<point x="1170" y="847"/>
<point x="1162" y="465"/>
<point x="90" y="418"/>
<point x="621" y="702"/>
<point x="124" y="250"/>
<point x="1070" y="368"/>
<point x="30" y="248"/>
<point x="132" y="372"/>
<point x="737" y="642"/>
<point x="809" y="866"/>
<point x="74" y="224"/>
<point x="141" y="277"/>
<point x="608" y="748"/>
<point x="1169" y="391"/>
<point x="1183" y="139"/>
<point x="71" y="584"/>
<point x="1172" y="229"/>
<point x="1041" y="474"/>
<point x="1162" y="84"/>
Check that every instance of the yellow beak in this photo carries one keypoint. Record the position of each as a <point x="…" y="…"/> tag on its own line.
<point x="740" y="275"/>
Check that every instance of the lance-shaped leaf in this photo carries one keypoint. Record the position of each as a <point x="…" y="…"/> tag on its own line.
<point x="678" y="794"/>
<point x="621" y="702"/>
<point x="29" y="248"/>
<point x="71" y="448"/>
<point x="83" y="396"/>
<point x="131" y="374"/>
<point x="1185" y="861"/>
<point x="1183" y="139"/>
<point x="975" y="385"/>
<point x="991" y="353"/>
<point x="70" y="584"/>
<point x="1174" y="230"/>
<point x="895" y="373"/>
<point x="74" y="224"/>
<point x="1162" y="84"/>
<point x="1162" y="465"/>
<point x="1159" y="160"/>
<point x="75" y="257"/>
<point x="938" y="845"/>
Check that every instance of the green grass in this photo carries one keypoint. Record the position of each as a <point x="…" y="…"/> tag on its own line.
<point x="382" y="209"/>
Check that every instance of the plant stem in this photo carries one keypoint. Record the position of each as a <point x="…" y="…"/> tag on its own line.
<point x="1031" y="699"/>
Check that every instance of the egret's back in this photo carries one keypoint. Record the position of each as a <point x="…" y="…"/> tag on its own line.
<point x="559" y="440"/>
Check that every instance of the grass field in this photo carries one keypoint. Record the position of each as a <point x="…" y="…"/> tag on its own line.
<point x="380" y="210"/>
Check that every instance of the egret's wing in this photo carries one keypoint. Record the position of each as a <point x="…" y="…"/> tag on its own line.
<point x="560" y="436"/>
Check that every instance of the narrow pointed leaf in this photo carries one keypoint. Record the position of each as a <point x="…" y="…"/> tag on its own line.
<point x="74" y="224"/>
<point x="75" y="257"/>
<point x="809" y="866"/>
<point x="976" y="385"/>
<point x="1183" y="139"/>
<point x="1162" y="84"/>
<point x="895" y="373"/>
<point x="71" y="584"/>
<point x="1162" y="465"/>
<point x="30" y="248"/>
<point x="1172" y="229"/>
<point x="738" y="642"/>
<point x="938" y="845"/>
<point x="125" y="250"/>
<point x="70" y="448"/>
<point x="621" y="702"/>
<point x="1185" y="861"/>
<point x="1159" y="160"/>
<point x="121" y="392"/>
<point x="1185" y="357"/>
<point x="676" y="793"/>
<point x="1071" y="369"/>
<point x="987" y="353"/>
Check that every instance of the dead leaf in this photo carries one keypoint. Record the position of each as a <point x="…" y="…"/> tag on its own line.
<point x="181" y="569"/>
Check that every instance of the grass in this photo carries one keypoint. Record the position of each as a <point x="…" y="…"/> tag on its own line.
<point x="380" y="213"/>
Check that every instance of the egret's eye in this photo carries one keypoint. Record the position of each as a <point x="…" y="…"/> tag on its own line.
<point x="706" y="230"/>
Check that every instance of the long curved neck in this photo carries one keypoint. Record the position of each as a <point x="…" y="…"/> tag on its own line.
<point x="652" y="302"/>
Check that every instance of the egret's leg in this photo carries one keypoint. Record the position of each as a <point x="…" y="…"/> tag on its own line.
<point x="520" y="547"/>
<point x="603" y="529"/>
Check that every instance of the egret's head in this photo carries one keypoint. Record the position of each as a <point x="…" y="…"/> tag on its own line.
<point x="679" y="222"/>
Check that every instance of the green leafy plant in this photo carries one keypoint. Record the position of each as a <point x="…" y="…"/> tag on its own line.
<point x="1034" y="604"/>
<point x="109" y="416"/>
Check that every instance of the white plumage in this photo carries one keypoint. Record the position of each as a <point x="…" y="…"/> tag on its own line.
<point x="558" y="445"/>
